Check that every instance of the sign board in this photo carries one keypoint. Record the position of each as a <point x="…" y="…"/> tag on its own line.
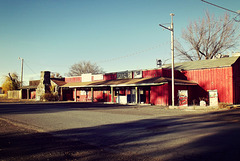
<point x="137" y="74"/>
<point x="82" y="92"/>
<point x="98" y="77"/>
<point x="124" y="75"/>
<point x="122" y="99"/>
<point x="213" y="98"/>
<point x="87" y="77"/>
<point x="183" y="97"/>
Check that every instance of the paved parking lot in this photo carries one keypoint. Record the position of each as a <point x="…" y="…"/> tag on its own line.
<point x="143" y="131"/>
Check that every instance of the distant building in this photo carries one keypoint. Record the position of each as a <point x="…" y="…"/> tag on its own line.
<point x="37" y="88"/>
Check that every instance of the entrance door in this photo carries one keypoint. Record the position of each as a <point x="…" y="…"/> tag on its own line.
<point x="131" y="98"/>
<point x="142" y="96"/>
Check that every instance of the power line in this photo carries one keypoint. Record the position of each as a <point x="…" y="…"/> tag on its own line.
<point x="132" y="54"/>
<point x="220" y="7"/>
<point x="29" y="67"/>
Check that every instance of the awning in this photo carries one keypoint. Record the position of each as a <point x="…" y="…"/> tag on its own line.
<point x="129" y="82"/>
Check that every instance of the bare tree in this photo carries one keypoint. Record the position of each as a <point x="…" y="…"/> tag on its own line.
<point x="84" y="67"/>
<point x="208" y="37"/>
<point x="55" y="75"/>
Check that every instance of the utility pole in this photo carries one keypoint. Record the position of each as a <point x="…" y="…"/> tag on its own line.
<point x="172" y="51"/>
<point x="21" y="84"/>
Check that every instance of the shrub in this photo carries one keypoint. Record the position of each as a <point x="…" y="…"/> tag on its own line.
<point x="223" y="105"/>
<point x="50" y="97"/>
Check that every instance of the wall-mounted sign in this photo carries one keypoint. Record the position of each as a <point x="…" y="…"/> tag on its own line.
<point x="124" y="75"/>
<point x="213" y="98"/>
<point x="87" y="77"/>
<point x="82" y="92"/>
<point x="137" y="74"/>
<point x="183" y="97"/>
<point x="98" y="77"/>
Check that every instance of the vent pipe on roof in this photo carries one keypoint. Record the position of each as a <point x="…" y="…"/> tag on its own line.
<point x="159" y="63"/>
<point x="217" y="56"/>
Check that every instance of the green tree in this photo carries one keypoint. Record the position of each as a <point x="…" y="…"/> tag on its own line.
<point x="11" y="82"/>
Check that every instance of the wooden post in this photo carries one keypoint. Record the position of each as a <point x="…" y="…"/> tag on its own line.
<point x="136" y="94"/>
<point x="92" y="99"/>
<point x="112" y="94"/>
<point x="61" y="94"/>
<point x="27" y="93"/>
<point x="75" y="94"/>
<point x="21" y="93"/>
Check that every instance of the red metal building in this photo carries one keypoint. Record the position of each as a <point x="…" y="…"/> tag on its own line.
<point x="153" y="86"/>
<point x="221" y="74"/>
<point x="142" y="86"/>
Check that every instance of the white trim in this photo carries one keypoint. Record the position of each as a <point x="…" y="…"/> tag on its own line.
<point x="120" y="85"/>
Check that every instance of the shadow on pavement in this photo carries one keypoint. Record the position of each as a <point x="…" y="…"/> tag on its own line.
<point x="30" y="108"/>
<point x="210" y="136"/>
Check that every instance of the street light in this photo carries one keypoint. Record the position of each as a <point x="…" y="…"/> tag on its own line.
<point x="172" y="51"/>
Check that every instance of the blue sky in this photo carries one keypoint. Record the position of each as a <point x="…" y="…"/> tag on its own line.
<point x="118" y="35"/>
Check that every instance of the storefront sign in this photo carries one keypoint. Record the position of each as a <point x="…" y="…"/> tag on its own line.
<point x="98" y="77"/>
<point x="137" y="74"/>
<point x="124" y="75"/>
<point x="87" y="77"/>
<point x="82" y="92"/>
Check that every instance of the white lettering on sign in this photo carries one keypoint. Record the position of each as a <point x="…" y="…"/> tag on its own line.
<point x="124" y="75"/>
<point x="98" y="77"/>
<point x="87" y="77"/>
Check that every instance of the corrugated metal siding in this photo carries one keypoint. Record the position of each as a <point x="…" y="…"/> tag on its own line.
<point x="167" y="73"/>
<point x="236" y="82"/>
<point x="111" y="76"/>
<point x="215" y="78"/>
<point x="99" y="96"/>
<point x="163" y="72"/>
<point x="73" y="79"/>
<point x="83" y="98"/>
<point x="152" y="73"/>
<point x="147" y="93"/>
<point x="159" y="95"/>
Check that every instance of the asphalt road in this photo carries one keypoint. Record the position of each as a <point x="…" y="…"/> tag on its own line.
<point x="149" y="131"/>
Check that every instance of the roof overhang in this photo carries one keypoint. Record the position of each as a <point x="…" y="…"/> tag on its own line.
<point x="120" y="85"/>
<point x="156" y="81"/>
<point x="28" y="87"/>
